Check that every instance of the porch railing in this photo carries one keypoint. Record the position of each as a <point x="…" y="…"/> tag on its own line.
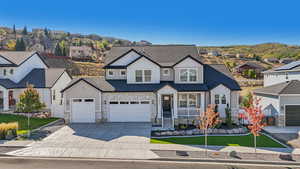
<point x="188" y="112"/>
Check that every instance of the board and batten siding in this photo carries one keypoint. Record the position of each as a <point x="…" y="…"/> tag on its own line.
<point x="189" y="63"/>
<point x="116" y="74"/>
<point x="279" y="77"/>
<point x="143" y="64"/>
<point x="125" y="60"/>
<point x="82" y="90"/>
<point x="270" y="104"/>
<point x="169" y="77"/>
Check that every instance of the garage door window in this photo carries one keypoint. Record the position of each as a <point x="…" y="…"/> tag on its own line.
<point x="134" y="102"/>
<point x="145" y="102"/>
<point x="88" y="100"/>
<point x="113" y="102"/>
<point x="77" y="100"/>
<point x="124" y="102"/>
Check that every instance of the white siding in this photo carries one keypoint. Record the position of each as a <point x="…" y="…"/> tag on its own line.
<point x="143" y="64"/>
<point x="117" y="74"/>
<point x="221" y="90"/>
<point x="125" y="60"/>
<point x="169" y="77"/>
<point x="270" y="104"/>
<point x="57" y="107"/>
<point x="4" y="61"/>
<point x="21" y="71"/>
<point x="189" y="63"/>
<point x="279" y="77"/>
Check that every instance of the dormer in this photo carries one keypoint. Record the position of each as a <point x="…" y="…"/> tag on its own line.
<point x="188" y="70"/>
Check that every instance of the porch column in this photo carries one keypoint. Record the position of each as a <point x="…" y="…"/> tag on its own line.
<point x="5" y="100"/>
<point x="175" y="104"/>
<point x="202" y="95"/>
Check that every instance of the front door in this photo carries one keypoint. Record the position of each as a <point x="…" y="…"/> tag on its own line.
<point x="166" y="103"/>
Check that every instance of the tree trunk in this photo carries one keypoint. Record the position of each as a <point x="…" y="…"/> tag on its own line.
<point x="205" y="142"/>
<point x="255" y="143"/>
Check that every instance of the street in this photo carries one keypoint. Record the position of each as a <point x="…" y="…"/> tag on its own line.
<point x="21" y="163"/>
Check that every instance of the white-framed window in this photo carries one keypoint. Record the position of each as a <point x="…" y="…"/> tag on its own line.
<point x="223" y="99"/>
<point x="166" y="72"/>
<point x="143" y="75"/>
<point x="217" y="99"/>
<point x="110" y="73"/>
<point x="4" y="72"/>
<point x="188" y="100"/>
<point x="188" y="75"/>
<point x="123" y="72"/>
<point x="11" y="71"/>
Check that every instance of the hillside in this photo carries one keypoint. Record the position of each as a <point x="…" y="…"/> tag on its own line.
<point x="266" y="50"/>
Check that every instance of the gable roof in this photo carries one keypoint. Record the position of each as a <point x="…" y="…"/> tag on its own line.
<point x="251" y="64"/>
<point x="216" y="74"/>
<point x="39" y="78"/>
<point x="18" y="57"/>
<point x="164" y="55"/>
<point x="97" y="82"/>
<point x="289" y="87"/>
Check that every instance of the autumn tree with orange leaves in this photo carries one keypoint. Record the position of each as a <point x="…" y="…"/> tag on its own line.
<point x="208" y="119"/>
<point x="255" y="116"/>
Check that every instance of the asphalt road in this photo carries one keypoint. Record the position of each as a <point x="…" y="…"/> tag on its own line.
<point x="19" y="163"/>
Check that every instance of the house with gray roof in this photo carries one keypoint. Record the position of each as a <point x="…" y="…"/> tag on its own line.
<point x="280" y="96"/>
<point x="166" y="85"/>
<point x="20" y="69"/>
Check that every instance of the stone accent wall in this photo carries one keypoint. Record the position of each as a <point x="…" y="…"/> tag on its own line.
<point x="280" y="121"/>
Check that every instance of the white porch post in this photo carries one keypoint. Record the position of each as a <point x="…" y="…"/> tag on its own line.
<point x="175" y="105"/>
<point x="5" y="100"/>
<point x="202" y="109"/>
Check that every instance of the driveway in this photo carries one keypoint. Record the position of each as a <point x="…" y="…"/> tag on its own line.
<point x="288" y="135"/>
<point x="108" y="140"/>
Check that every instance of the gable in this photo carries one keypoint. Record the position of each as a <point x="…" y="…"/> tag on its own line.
<point x="188" y="62"/>
<point x="4" y="61"/>
<point x="126" y="59"/>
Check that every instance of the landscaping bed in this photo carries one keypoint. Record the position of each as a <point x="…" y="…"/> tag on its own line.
<point x="241" y="140"/>
<point x="23" y="120"/>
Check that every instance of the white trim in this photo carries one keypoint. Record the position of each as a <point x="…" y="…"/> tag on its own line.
<point x="122" y="71"/>
<point x="143" y="76"/>
<point x="71" y="102"/>
<point x="289" y="95"/>
<point x="166" y="74"/>
<point x="110" y="74"/>
<point x="188" y="77"/>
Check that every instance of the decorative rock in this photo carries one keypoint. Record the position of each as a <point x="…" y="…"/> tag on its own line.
<point x="189" y="132"/>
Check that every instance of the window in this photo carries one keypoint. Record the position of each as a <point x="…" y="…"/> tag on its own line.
<point x="11" y="71"/>
<point x="139" y="76"/>
<point x="123" y="72"/>
<point x="217" y="99"/>
<point x="124" y="102"/>
<point x="110" y="73"/>
<point x="4" y="72"/>
<point x="188" y="75"/>
<point x="88" y="100"/>
<point x="77" y="100"/>
<point x="53" y="94"/>
<point x="166" y="72"/>
<point x="223" y="99"/>
<point x="113" y="102"/>
<point x="188" y="100"/>
<point x="145" y="102"/>
<point x="147" y="75"/>
<point x="134" y="102"/>
<point x="143" y="75"/>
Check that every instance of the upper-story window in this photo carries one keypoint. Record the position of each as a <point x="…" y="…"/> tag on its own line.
<point x="188" y="75"/>
<point x="143" y="75"/>
<point x="4" y="72"/>
<point x="123" y="72"/>
<point x="11" y="71"/>
<point x="166" y="72"/>
<point x="110" y="73"/>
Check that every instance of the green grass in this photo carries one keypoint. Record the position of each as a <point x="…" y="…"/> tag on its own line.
<point x="22" y="120"/>
<point x="248" y="141"/>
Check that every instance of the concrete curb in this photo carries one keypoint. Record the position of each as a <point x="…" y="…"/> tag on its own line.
<point x="46" y="125"/>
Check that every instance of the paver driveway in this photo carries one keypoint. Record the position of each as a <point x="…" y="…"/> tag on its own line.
<point x="109" y="140"/>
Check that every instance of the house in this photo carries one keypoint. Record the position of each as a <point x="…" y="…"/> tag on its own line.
<point x="286" y="60"/>
<point x="163" y="84"/>
<point x="213" y="53"/>
<point x="80" y="51"/>
<point x="249" y="66"/>
<point x="280" y="96"/>
<point x="271" y="60"/>
<point x="18" y="69"/>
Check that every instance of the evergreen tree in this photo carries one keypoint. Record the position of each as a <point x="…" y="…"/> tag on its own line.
<point x="14" y="29"/>
<point x="46" y="32"/>
<point x="20" y="45"/>
<point x="24" y="32"/>
<point x="58" y="50"/>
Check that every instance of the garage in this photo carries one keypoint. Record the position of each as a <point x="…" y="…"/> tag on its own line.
<point x="130" y="111"/>
<point x="292" y="115"/>
<point x="83" y="110"/>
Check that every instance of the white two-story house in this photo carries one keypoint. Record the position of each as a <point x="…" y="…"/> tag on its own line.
<point x="18" y="69"/>
<point x="280" y="96"/>
<point x="162" y="84"/>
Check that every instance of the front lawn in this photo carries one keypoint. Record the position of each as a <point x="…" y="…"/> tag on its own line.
<point x="22" y="120"/>
<point x="262" y="141"/>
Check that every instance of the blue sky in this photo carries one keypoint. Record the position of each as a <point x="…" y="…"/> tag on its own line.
<point x="210" y="22"/>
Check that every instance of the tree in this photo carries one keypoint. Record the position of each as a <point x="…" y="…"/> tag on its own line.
<point x="246" y="102"/>
<point x="24" y="32"/>
<point x="20" y="45"/>
<point x="11" y="44"/>
<point x="14" y="29"/>
<point x="255" y="116"/>
<point x="208" y="119"/>
<point x="46" y="31"/>
<point x="58" y="50"/>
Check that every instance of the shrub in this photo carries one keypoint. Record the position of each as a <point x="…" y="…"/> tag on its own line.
<point x="6" y="128"/>
<point x="228" y="117"/>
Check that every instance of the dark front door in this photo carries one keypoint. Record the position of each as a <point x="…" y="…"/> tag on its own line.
<point x="166" y="103"/>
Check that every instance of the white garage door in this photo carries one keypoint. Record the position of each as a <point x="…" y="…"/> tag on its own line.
<point x="83" y="110"/>
<point x="129" y="111"/>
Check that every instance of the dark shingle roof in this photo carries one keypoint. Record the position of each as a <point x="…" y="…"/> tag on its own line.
<point x="252" y="64"/>
<point x="39" y="78"/>
<point x="164" y="55"/>
<point x="289" y="87"/>
<point x="213" y="77"/>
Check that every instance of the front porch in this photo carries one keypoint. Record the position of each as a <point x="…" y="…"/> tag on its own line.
<point x="7" y="101"/>
<point x="175" y="108"/>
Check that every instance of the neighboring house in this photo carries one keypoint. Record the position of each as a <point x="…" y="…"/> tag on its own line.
<point x="213" y="53"/>
<point x="18" y="69"/>
<point x="286" y="60"/>
<point x="249" y="66"/>
<point x="37" y="47"/>
<point x="166" y="85"/>
<point x="271" y="60"/>
<point x="280" y="96"/>
<point x="80" y="51"/>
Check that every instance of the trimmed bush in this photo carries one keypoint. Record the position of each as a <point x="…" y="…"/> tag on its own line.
<point x="8" y="130"/>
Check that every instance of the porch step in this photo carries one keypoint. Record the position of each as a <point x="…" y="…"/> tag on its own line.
<point x="168" y="123"/>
